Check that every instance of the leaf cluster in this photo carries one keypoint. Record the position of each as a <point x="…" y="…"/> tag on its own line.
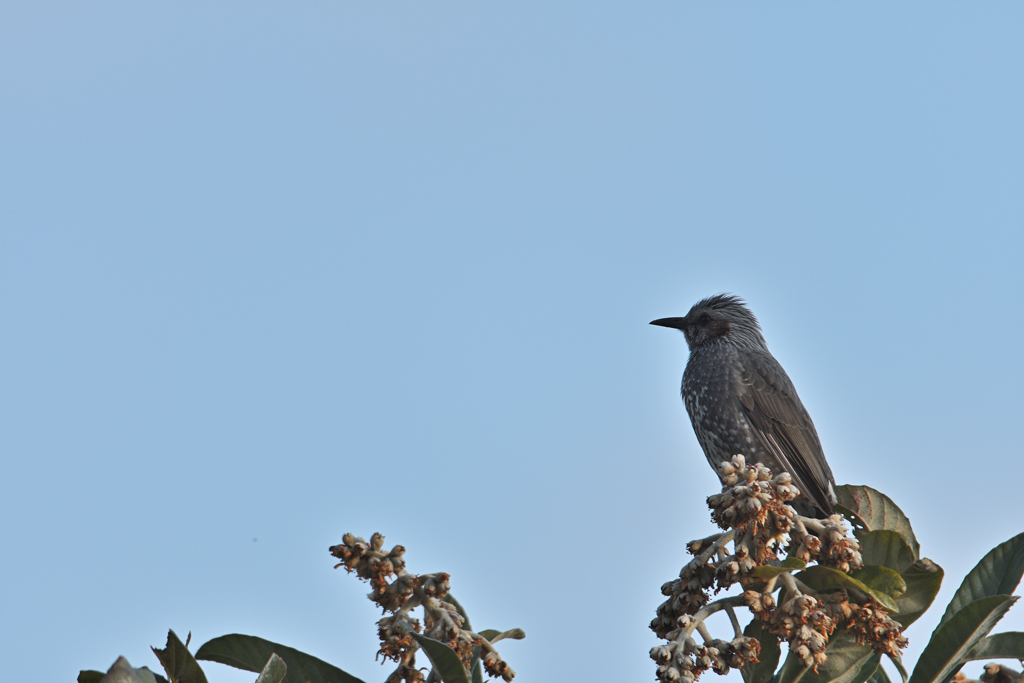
<point x="276" y="663"/>
<point x="896" y="576"/>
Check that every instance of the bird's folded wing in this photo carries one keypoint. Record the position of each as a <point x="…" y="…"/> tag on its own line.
<point x="784" y="428"/>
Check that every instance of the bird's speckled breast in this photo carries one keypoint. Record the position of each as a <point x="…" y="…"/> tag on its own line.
<point x="710" y="397"/>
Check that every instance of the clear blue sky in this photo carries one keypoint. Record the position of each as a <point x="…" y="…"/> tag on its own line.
<point x="275" y="272"/>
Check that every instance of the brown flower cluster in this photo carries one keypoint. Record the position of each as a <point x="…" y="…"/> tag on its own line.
<point x="686" y="595"/>
<point x="397" y="591"/>
<point x="397" y="644"/>
<point x="826" y="542"/>
<point x="807" y="621"/>
<point x="758" y="521"/>
<point x="752" y="497"/>
<point x="994" y="673"/>
<point x="871" y="625"/>
<point x="495" y="666"/>
<point x="682" y="660"/>
<point x="370" y="563"/>
<point x="804" y="621"/>
<point x="998" y="673"/>
<point x="753" y="509"/>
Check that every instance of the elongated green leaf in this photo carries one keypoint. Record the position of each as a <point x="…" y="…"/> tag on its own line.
<point x="478" y="672"/>
<point x="871" y="663"/>
<point x="458" y="608"/>
<point x="251" y="654"/>
<point x="768" y="659"/>
<point x="885" y="548"/>
<point x="89" y="676"/>
<point x="998" y="573"/>
<point x="872" y="510"/>
<point x="923" y="579"/>
<point x="952" y="642"/>
<point x="847" y="662"/>
<point x="826" y="578"/>
<point x="494" y="636"/>
<point x="274" y="671"/>
<point x="897" y="661"/>
<point x="881" y="579"/>
<point x="1009" y="645"/>
<point x="178" y="662"/>
<point x="879" y="676"/>
<point x="444" y="659"/>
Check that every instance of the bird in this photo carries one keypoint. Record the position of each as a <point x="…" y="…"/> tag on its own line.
<point x="741" y="401"/>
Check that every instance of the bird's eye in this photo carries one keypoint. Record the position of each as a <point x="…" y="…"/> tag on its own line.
<point x="705" y="318"/>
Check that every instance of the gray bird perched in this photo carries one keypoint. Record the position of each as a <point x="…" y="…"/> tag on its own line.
<point x="741" y="401"/>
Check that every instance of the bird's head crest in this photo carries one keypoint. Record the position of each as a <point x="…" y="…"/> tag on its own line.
<point x="722" y="317"/>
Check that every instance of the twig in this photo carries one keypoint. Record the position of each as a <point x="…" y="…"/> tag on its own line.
<point x="710" y="608"/>
<point x="735" y="622"/>
<point x="720" y="542"/>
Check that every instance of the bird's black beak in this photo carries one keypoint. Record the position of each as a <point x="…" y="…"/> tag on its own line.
<point x="675" y="323"/>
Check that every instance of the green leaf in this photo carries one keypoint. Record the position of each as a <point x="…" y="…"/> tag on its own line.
<point x="897" y="661"/>
<point x="885" y="548"/>
<point x="178" y="662"/>
<point x="444" y="659"/>
<point x="478" y="671"/>
<point x="89" y="676"/>
<point x="879" y="676"/>
<point x="822" y="578"/>
<point x="251" y="654"/>
<point x="1009" y="645"/>
<point x="274" y="671"/>
<point x="872" y="510"/>
<point x="769" y="657"/>
<point x="882" y="579"/>
<point x="458" y="608"/>
<point x="951" y="643"/>
<point x="923" y="579"/>
<point x="847" y="662"/>
<point x="493" y="636"/>
<point x="998" y="573"/>
<point x="766" y="572"/>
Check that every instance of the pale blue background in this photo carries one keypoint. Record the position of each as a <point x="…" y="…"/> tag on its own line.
<point x="271" y="273"/>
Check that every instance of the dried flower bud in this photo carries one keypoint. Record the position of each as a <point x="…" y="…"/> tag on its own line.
<point x="661" y="654"/>
<point x="496" y="666"/>
<point x="395" y="641"/>
<point x="961" y="677"/>
<point x="761" y="604"/>
<point x="406" y="674"/>
<point x="746" y="648"/>
<point x="997" y="673"/>
<point x="436" y="585"/>
<point x="871" y="625"/>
